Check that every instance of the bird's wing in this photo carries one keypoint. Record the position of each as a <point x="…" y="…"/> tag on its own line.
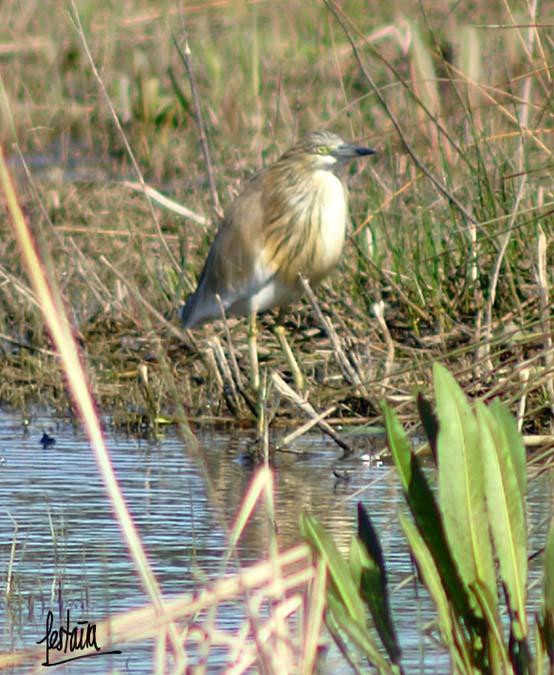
<point x="232" y="268"/>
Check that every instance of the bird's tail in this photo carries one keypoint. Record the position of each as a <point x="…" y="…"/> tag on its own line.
<point x="188" y="311"/>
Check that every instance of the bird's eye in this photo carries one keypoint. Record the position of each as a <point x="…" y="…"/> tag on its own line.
<point x="322" y="150"/>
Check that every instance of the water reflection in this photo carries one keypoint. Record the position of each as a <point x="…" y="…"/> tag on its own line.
<point x="69" y="553"/>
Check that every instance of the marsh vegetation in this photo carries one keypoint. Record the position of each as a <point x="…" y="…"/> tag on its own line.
<point x="449" y="257"/>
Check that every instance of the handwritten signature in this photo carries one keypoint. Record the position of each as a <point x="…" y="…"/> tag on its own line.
<point x="70" y="640"/>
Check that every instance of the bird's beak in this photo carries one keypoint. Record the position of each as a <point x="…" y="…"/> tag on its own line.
<point x="348" y="151"/>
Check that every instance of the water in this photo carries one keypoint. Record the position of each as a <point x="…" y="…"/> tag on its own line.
<point x="69" y="553"/>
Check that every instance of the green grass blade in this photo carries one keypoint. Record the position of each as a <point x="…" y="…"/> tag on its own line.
<point x="461" y="483"/>
<point x="339" y="573"/>
<point x="506" y="510"/>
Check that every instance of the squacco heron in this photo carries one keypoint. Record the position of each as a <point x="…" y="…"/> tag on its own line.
<point x="289" y="221"/>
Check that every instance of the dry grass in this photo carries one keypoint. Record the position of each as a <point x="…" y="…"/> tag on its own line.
<point x="451" y="221"/>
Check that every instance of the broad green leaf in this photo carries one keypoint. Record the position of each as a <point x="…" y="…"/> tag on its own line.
<point x="356" y="561"/>
<point x="498" y="654"/>
<point x="399" y="446"/>
<point x="540" y="655"/>
<point x="514" y="441"/>
<point x="368" y="556"/>
<point x="449" y="627"/>
<point x="506" y="511"/>
<point x="546" y="624"/>
<point x="521" y="657"/>
<point x="429" y="421"/>
<point x="461" y="483"/>
<point x="339" y="573"/>
<point x="368" y="537"/>
<point x="361" y="637"/>
<point x="425" y="511"/>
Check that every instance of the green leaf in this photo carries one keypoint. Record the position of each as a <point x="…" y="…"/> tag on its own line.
<point x="461" y="483"/>
<point x="339" y="573"/>
<point x="360" y="637"/>
<point x="426" y="512"/>
<point x="368" y="556"/>
<point x="429" y="421"/>
<point x="498" y="655"/>
<point x="400" y="448"/>
<point x="449" y="627"/>
<point x="368" y="537"/>
<point x="546" y="624"/>
<point x="540" y="655"/>
<point x="521" y="657"/>
<point x="506" y="509"/>
<point x="514" y="441"/>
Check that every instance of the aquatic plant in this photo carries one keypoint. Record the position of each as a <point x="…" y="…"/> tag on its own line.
<point x="467" y="537"/>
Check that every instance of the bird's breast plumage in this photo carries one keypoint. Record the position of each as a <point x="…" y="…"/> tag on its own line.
<point x="304" y="234"/>
<point x="333" y="208"/>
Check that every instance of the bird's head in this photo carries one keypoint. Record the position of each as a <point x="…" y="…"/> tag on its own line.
<point x="325" y="150"/>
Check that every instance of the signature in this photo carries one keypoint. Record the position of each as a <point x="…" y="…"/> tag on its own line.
<point x="70" y="640"/>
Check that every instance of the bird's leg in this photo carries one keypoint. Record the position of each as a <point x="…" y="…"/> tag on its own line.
<point x="259" y="387"/>
<point x="281" y="334"/>
<point x="253" y="348"/>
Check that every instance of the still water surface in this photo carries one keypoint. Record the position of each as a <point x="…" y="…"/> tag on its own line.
<point x="69" y="549"/>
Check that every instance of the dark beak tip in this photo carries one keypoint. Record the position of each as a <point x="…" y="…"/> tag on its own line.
<point x="348" y="151"/>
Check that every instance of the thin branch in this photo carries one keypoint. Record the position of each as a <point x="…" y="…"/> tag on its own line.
<point x="407" y="146"/>
<point x="284" y="389"/>
<point x="186" y="57"/>
<point x="80" y="31"/>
